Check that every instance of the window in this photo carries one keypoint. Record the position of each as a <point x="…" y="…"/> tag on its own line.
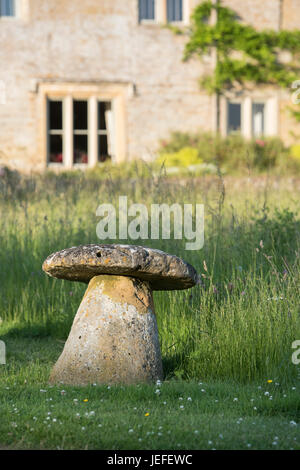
<point x="164" y="11"/>
<point x="79" y="131"/>
<point x="234" y="118"/>
<point x="7" y="8"/>
<point x="104" y="130"/>
<point x="258" y="119"/>
<point x="174" y="10"/>
<point x="55" y="131"/>
<point x="146" y="10"/>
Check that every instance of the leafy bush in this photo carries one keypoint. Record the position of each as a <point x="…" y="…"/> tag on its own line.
<point x="232" y="153"/>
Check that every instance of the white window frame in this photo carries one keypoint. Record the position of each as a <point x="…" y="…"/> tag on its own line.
<point x="264" y="103"/>
<point x="21" y="12"/>
<point x="68" y="131"/>
<point x="13" y="17"/>
<point x="160" y="14"/>
<point x="271" y="115"/>
<point x="115" y="92"/>
<point x="146" y="21"/>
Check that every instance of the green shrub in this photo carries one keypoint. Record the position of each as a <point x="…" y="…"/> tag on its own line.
<point x="232" y="153"/>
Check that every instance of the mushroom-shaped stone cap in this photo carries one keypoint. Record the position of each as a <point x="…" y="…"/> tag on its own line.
<point x="162" y="270"/>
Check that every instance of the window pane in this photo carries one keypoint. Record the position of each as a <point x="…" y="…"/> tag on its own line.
<point x="102" y="148"/>
<point x="55" y="115"/>
<point x="258" y="119"/>
<point x="174" y="10"/>
<point x="80" y="115"/>
<point x="7" y="7"/>
<point x="146" y="10"/>
<point x="55" y="149"/>
<point x="234" y="117"/>
<point x="103" y="107"/>
<point x="81" y="149"/>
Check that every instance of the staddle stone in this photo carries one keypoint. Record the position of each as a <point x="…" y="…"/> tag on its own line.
<point x="162" y="270"/>
<point x="114" y="336"/>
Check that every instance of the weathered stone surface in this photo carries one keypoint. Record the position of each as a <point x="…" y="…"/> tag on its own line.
<point x="162" y="270"/>
<point x="114" y="337"/>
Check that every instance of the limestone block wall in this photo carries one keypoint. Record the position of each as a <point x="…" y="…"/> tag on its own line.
<point x="95" y="43"/>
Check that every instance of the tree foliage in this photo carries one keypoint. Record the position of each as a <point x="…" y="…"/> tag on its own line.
<point x="243" y="54"/>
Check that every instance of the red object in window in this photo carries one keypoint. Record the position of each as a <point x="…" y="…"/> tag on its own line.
<point x="84" y="158"/>
<point x="59" y="158"/>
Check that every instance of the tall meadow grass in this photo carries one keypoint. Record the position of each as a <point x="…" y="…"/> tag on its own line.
<point x="238" y="323"/>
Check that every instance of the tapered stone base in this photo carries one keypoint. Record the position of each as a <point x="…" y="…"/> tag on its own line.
<point x="114" y="336"/>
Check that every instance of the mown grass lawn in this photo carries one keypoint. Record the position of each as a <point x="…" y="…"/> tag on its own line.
<point x="226" y="344"/>
<point x="172" y="415"/>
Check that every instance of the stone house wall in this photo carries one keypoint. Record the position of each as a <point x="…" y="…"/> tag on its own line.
<point x="98" y="49"/>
